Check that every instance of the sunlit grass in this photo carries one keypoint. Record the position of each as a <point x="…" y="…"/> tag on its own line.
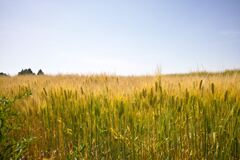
<point x="110" y="117"/>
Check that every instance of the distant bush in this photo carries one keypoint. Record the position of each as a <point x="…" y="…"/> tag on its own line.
<point x="206" y="73"/>
<point x="26" y="72"/>
<point x="40" y="72"/>
<point x="3" y="74"/>
<point x="230" y="72"/>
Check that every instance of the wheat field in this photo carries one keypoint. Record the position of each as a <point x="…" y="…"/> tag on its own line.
<point x="190" y="116"/>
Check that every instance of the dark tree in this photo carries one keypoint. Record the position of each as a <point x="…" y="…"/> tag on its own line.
<point x="26" y="72"/>
<point x="3" y="74"/>
<point x="40" y="72"/>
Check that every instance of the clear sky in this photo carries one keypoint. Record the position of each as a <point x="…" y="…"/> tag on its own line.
<point x="119" y="36"/>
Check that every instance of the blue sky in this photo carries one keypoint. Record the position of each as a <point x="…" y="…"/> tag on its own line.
<point x="121" y="37"/>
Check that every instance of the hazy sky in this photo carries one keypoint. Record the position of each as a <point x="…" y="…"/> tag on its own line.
<point x="119" y="36"/>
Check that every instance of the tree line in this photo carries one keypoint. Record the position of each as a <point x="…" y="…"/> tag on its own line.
<point x="25" y="72"/>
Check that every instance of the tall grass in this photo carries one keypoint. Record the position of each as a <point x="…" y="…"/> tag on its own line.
<point x="12" y="146"/>
<point x="107" y="117"/>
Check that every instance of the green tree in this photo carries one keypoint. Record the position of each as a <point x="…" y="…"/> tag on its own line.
<point x="26" y="72"/>
<point x="40" y="72"/>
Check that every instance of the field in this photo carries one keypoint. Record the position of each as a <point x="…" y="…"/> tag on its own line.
<point x="190" y="116"/>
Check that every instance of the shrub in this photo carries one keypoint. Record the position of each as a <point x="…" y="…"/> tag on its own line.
<point x="3" y="74"/>
<point x="10" y="147"/>
<point x="40" y="72"/>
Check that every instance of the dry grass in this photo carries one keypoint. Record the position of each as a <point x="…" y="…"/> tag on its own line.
<point x="148" y="117"/>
